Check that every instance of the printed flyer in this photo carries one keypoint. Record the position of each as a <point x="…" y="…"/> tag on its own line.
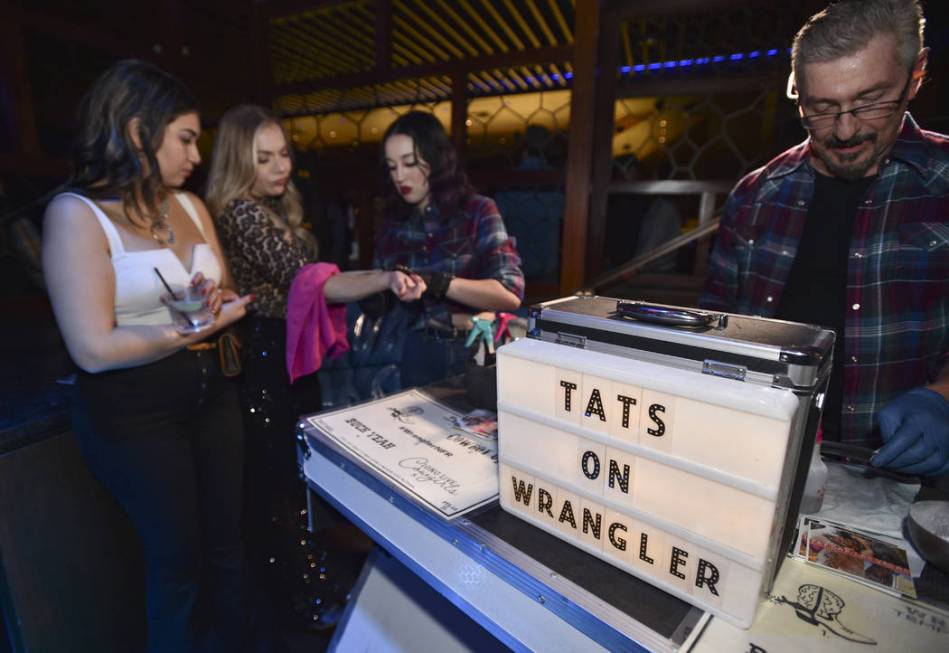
<point x="861" y="556"/>
<point x="420" y="446"/>
<point x="811" y="610"/>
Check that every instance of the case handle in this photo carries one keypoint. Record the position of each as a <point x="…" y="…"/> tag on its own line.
<point x="669" y="316"/>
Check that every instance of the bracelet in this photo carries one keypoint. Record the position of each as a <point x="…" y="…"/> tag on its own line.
<point x="438" y="284"/>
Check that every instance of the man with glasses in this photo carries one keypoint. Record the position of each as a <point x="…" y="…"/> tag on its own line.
<point x="850" y="230"/>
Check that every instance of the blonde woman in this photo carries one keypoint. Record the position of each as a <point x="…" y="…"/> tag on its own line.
<point x="258" y="214"/>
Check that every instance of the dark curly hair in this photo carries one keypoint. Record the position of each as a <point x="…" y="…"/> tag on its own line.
<point x="106" y="162"/>
<point x="447" y="179"/>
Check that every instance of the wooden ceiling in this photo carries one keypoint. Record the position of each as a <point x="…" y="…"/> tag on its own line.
<point x="341" y="55"/>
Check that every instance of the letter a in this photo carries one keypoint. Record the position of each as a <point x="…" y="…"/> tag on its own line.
<point x="595" y="405"/>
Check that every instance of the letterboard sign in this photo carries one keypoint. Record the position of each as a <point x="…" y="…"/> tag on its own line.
<point x="671" y="475"/>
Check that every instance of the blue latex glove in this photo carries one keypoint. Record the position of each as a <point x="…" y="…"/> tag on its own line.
<point x="915" y="430"/>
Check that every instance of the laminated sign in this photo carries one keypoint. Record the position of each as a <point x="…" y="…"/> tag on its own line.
<point x="678" y="477"/>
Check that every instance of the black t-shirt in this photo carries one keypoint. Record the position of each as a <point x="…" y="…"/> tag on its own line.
<point x="816" y="289"/>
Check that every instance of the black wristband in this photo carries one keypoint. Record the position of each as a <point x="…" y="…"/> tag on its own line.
<point x="438" y="284"/>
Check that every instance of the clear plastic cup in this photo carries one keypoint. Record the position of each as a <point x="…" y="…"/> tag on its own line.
<point x="189" y="309"/>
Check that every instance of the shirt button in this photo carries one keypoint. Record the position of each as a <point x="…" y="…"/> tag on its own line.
<point x="853" y="359"/>
<point x="850" y="408"/>
<point x="769" y="298"/>
<point x="856" y="307"/>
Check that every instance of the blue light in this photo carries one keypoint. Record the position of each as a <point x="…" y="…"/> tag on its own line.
<point x="568" y="75"/>
<point x="554" y="76"/>
<point x="698" y="61"/>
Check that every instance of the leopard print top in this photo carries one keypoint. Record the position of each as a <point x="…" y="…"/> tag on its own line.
<point x="262" y="259"/>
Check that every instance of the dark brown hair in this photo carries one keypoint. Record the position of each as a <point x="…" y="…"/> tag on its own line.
<point x="106" y="162"/>
<point x="447" y="179"/>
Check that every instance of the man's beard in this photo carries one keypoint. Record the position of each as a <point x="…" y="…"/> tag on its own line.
<point x="850" y="166"/>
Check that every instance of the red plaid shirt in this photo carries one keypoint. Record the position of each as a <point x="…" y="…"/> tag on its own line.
<point x="896" y="335"/>
<point x="472" y="244"/>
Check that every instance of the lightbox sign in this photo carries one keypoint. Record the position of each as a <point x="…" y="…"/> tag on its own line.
<point x="671" y="475"/>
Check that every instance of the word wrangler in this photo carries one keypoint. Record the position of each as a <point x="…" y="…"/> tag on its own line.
<point x="624" y="540"/>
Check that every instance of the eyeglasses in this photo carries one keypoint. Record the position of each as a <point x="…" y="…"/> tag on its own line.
<point x="875" y="111"/>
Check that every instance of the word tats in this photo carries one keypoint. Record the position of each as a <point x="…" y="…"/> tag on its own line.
<point x="625" y="411"/>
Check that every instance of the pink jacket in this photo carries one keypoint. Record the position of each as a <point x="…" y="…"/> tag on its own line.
<point x="314" y="329"/>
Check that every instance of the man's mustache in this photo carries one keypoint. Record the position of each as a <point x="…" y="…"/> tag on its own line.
<point x="856" y="139"/>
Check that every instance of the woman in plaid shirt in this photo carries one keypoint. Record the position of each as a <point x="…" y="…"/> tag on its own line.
<point x="455" y="239"/>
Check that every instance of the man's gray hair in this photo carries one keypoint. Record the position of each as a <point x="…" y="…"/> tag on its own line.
<point x="846" y="27"/>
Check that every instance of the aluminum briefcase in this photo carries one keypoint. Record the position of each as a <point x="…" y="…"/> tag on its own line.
<point x="671" y="442"/>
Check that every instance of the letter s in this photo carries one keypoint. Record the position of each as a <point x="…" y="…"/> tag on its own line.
<point x="660" y="429"/>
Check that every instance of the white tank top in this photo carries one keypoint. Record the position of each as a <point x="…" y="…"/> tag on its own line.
<point x="137" y="288"/>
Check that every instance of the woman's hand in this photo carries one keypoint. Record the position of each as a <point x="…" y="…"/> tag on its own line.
<point x="209" y="289"/>
<point x="407" y="287"/>
<point x="225" y="304"/>
<point x="231" y="307"/>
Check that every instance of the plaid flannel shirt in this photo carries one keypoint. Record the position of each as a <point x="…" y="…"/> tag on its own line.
<point x="473" y="245"/>
<point x="896" y="331"/>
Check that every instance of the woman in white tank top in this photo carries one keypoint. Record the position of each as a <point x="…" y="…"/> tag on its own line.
<point x="158" y="423"/>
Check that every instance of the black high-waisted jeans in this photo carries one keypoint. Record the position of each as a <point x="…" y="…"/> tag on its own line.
<point x="165" y="439"/>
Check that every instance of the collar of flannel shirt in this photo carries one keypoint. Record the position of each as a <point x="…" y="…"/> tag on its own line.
<point x="911" y="147"/>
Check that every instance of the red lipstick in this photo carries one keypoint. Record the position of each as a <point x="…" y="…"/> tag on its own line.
<point x="405" y="190"/>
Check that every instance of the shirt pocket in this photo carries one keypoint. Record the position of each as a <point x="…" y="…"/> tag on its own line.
<point x="746" y="244"/>
<point x="454" y="250"/>
<point x="923" y="252"/>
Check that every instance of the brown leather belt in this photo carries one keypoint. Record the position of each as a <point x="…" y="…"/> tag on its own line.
<point x="202" y="346"/>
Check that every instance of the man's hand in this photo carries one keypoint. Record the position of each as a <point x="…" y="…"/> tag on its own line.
<point x="915" y="430"/>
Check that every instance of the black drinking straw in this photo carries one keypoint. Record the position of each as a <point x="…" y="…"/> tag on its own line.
<point x="174" y="296"/>
<point x="165" y="283"/>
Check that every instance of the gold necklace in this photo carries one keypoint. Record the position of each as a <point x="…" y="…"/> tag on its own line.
<point x="161" y="230"/>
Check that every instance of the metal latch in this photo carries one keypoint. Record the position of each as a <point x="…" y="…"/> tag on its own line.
<point x="571" y="340"/>
<point x="724" y="370"/>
